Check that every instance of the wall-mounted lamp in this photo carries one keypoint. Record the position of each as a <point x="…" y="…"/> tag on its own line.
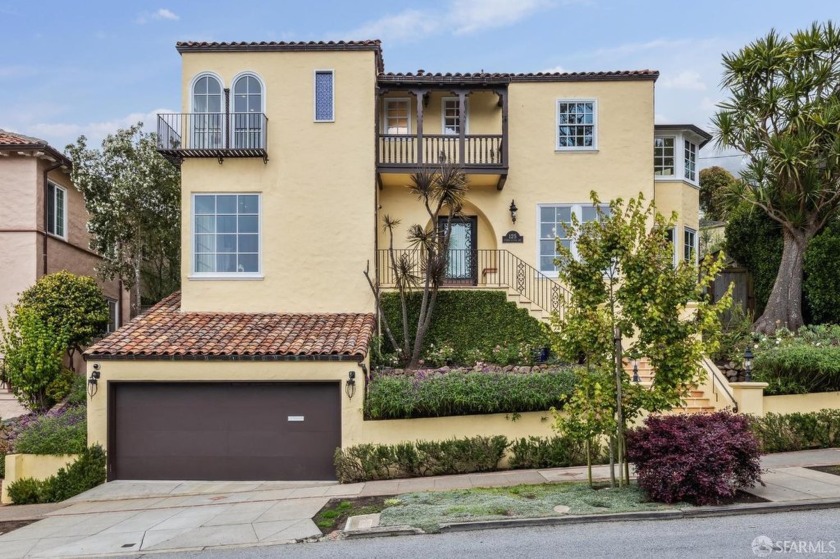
<point x="350" y="385"/>
<point x="93" y="380"/>
<point x="636" y="378"/>
<point x="513" y="209"/>
<point x="748" y="357"/>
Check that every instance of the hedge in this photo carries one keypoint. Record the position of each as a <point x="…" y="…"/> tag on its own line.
<point x="798" y="369"/>
<point x="469" y="321"/>
<point x="553" y="452"/>
<point x="368" y="462"/>
<point x="85" y="473"/>
<point x="822" y="275"/>
<point x="466" y="393"/>
<point x="797" y="431"/>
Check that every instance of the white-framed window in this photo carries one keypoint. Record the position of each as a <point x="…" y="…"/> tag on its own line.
<point x="207" y="123"/>
<point x="57" y="210"/>
<point x="397" y="116"/>
<point x="450" y="114"/>
<point x="113" y="315"/>
<point x="690" y="161"/>
<point x="690" y="245"/>
<point x="664" y="162"/>
<point x="226" y="235"/>
<point x="324" y="90"/>
<point x="246" y="114"/>
<point x="577" y="124"/>
<point x="552" y="223"/>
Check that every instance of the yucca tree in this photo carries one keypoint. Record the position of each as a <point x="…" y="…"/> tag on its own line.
<point x="441" y="190"/>
<point x="784" y="114"/>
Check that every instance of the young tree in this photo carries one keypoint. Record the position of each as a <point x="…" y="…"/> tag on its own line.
<point x="625" y="289"/>
<point x="441" y="191"/>
<point x="32" y="358"/>
<point x="72" y="307"/>
<point x="715" y="183"/>
<point x="784" y="114"/>
<point x="133" y="197"/>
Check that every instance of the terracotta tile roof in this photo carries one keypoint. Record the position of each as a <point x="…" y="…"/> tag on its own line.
<point x="502" y="77"/>
<point x="10" y="141"/>
<point x="14" y="139"/>
<point x="165" y="332"/>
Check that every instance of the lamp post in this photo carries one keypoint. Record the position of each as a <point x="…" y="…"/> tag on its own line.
<point x="748" y="357"/>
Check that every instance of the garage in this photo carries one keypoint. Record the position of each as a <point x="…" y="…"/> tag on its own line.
<point x="223" y="430"/>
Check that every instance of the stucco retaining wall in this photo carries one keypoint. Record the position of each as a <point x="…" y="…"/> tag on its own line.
<point x="37" y="466"/>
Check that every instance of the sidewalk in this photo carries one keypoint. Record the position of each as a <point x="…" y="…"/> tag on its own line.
<point x="130" y="517"/>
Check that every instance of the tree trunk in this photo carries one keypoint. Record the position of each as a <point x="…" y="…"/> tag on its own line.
<point x="784" y="306"/>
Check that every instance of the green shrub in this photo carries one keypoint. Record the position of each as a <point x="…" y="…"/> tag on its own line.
<point x="469" y="320"/>
<point x="368" y="462"/>
<point x="465" y="393"/>
<point x="552" y="452"/>
<point x="62" y="434"/>
<point x="78" y="391"/>
<point x="25" y="491"/>
<point x="821" y="287"/>
<point x="61" y="386"/>
<point x="85" y="473"/>
<point x="797" y="431"/>
<point x="32" y="360"/>
<point x="798" y="369"/>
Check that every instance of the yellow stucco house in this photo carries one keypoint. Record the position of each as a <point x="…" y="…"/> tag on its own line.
<point x="290" y="154"/>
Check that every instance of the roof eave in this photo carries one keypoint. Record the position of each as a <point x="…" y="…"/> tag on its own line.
<point x="53" y="153"/>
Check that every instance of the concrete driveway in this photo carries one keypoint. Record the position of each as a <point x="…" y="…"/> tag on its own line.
<point x="125" y="517"/>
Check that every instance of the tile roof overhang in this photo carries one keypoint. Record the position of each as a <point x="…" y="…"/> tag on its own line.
<point x="706" y="137"/>
<point x="487" y="78"/>
<point x="167" y="333"/>
<point x="14" y="142"/>
<point x="284" y="46"/>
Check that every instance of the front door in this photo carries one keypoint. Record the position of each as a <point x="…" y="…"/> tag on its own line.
<point x="462" y="260"/>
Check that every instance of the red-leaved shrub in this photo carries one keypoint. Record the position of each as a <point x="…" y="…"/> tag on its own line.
<point x="698" y="458"/>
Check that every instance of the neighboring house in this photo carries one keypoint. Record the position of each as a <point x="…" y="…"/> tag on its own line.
<point x="43" y="223"/>
<point x="290" y="154"/>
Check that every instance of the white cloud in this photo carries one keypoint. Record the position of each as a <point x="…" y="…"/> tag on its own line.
<point x="687" y="79"/>
<point x="59" y="134"/>
<point x="470" y="16"/>
<point x="459" y="17"/>
<point x="160" y="14"/>
<point x="404" y="26"/>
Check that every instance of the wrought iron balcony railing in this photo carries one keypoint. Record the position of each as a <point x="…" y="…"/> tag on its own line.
<point x="218" y="135"/>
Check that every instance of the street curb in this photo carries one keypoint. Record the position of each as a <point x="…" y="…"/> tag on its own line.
<point x="675" y="514"/>
<point x="383" y="532"/>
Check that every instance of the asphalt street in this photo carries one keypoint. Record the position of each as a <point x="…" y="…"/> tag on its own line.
<point x="791" y="534"/>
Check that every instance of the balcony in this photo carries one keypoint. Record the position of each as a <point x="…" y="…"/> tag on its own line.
<point x="214" y="135"/>
<point x="425" y="119"/>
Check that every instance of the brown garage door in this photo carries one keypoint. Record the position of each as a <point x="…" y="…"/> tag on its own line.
<point x="224" y="431"/>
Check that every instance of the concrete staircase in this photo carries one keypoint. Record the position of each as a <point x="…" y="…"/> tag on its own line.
<point x="697" y="400"/>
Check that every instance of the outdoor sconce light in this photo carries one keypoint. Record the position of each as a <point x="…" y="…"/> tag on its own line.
<point x="636" y="378"/>
<point x="93" y="380"/>
<point x="513" y="209"/>
<point x="748" y="357"/>
<point x="350" y="385"/>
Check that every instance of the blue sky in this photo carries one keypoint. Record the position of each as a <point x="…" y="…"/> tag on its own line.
<point x="89" y="67"/>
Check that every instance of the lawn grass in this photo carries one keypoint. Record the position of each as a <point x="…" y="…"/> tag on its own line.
<point x="429" y="510"/>
<point x="336" y="512"/>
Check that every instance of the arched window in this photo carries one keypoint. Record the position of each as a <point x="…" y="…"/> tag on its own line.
<point x="208" y="120"/>
<point x="247" y="112"/>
